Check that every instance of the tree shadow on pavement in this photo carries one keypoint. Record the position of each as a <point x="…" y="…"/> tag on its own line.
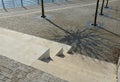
<point x="88" y="42"/>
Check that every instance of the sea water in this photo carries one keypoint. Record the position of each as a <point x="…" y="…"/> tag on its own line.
<point x="17" y="3"/>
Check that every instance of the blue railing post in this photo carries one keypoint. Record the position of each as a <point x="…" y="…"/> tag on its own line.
<point x="22" y="3"/>
<point x="3" y="4"/>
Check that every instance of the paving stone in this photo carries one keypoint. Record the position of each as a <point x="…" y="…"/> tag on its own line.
<point x="12" y="71"/>
<point x="48" y="78"/>
<point x="1" y="76"/>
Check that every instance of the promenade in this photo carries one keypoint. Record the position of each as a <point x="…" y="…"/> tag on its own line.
<point x="95" y="50"/>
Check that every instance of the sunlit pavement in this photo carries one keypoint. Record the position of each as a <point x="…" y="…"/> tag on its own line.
<point x="64" y="20"/>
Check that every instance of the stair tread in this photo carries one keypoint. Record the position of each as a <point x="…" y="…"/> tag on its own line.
<point x="70" y="73"/>
<point x="21" y="51"/>
<point x="54" y="47"/>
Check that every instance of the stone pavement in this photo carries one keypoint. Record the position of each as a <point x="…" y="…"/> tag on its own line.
<point x="64" y="22"/>
<point x="67" y="25"/>
<point x="12" y="71"/>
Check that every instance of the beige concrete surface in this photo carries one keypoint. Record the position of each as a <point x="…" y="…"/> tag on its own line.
<point x="20" y="49"/>
<point x="76" y="69"/>
<point x="69" y="25"/>
<point x="22" y="44"/>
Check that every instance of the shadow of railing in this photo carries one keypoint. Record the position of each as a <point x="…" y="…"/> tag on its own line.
<point x="5" y="9"/>
<point x="111" y="32"/>
<point x="58" y="26"/>
<point x="88" y="42"/>
<point x="112" y="18"/>
<point x="116" y="9"/>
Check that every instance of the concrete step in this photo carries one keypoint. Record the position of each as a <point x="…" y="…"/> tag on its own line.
<point x="72" y="73"/>
<point x="109" y="70"/>
<point x="55" y="47"/>
<point x="21" y="38"/>
<point x="19" y="49"/>
<point x="75" y="68"/>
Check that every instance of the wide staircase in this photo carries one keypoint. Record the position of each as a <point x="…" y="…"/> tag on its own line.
<point x="52" y="57"/>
